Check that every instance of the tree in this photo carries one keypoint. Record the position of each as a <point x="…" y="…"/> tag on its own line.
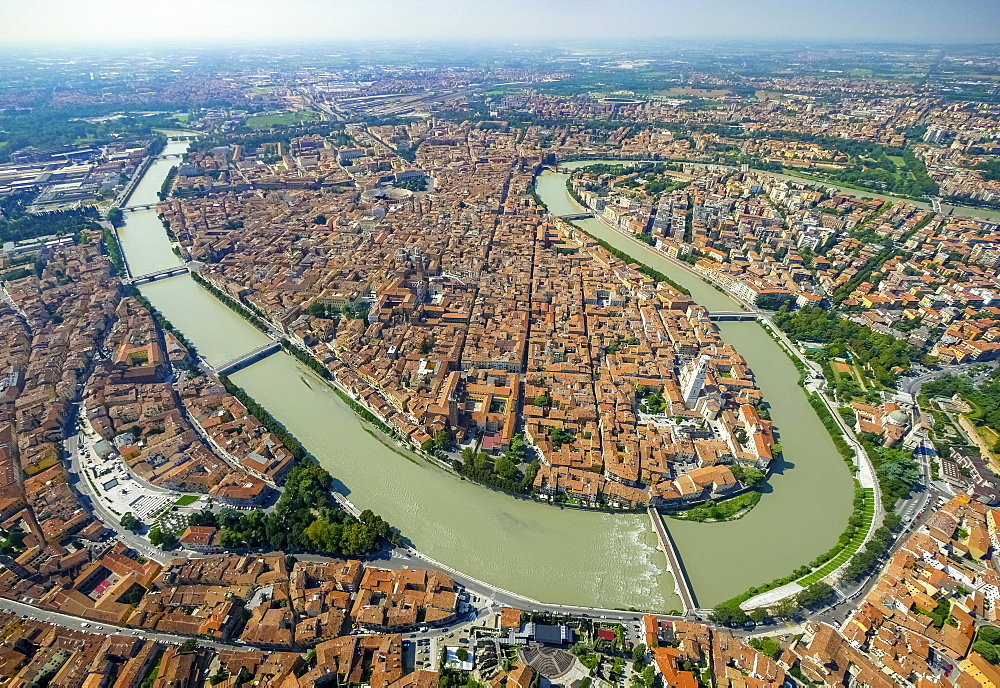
<point x="130" y="522"/>
<point x="728" y="615"/>
<point x="787" y="608"/>
<point x="442" y="438"/>
<point x="462" y="654"/>
<point x="319" y="220"/>
<point x="766" y="645"/>
<point x="504" y="467"/>
<point x="116" y="217"/>
<point x="639" y="654"/>
<point x="162" y="538"/>
<point x="758" y="615"/>
<point x="816" y="595"/>
<point x="189" y="645"/>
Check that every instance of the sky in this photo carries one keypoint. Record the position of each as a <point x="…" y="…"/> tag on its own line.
<point x="248" y="22"/>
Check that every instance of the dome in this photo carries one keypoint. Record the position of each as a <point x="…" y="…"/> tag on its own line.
<point x="898" y="417"/>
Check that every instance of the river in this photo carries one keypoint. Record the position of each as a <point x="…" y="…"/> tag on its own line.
<point x="554" y="555"/>
<point x="550" y="554"/>
<point x="809" y="496"/>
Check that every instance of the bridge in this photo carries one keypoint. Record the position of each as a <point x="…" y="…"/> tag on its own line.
<point x="252" y="356"/>
<point x="681" y="584"/>
<point x="159" y="274"/>
<point x="575" y="216"/>
<point x="133" y="208"/>
<point x="164" y="156"/>
<point x="737" y="315"/>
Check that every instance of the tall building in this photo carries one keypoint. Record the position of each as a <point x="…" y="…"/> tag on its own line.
<point x="693" y="379"/>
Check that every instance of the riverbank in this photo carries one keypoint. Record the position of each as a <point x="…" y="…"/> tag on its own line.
<point x="867" y="514"/>
<point x="808" y="497"/>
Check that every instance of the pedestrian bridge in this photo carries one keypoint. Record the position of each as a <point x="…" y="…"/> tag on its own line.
<point x="252" y="356"/>
<point x="737" y="315"/>
<point x="575" y="216"/>
<point x="134" y="208"/>
<point x="159" y="274"/>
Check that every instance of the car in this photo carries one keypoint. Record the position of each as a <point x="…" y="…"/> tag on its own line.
<point x="85" y="624"/>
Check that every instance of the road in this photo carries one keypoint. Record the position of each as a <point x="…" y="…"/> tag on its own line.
<point x="912" y="385"/>
<point x="88" y="499"/>
<point x="77" y="624"/>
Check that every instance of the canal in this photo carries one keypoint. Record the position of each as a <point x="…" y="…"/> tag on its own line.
<point x="550" y="554"/>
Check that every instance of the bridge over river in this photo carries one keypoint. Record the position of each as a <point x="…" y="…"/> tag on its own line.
<point x="681" y="584"/>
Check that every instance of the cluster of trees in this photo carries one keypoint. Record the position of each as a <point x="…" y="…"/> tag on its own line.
<point x="331" y="312"/>
<point x="168" y="181"/>
<point x="653" y="403"/>
<point x="871" y="165"/>
<point x="560" y="436"/>
<point x="115" y="216"/>
<point x="162" y="538"/>
<point x="413" y="184"/>
<point x="987" y="643"/>
<point x="898" y="473"/>
<point x="985" y="400"/>
<point x="48" y="129"/>
<point x="503" y="472"/>
<point x="130" y="522"/>
<point x="16" y="224"/>
<point x="305" y="519"/>
<point x="865" y="560"/>
<point x="748" y="475"/>
<point x="878" y="352"/>
<point x="13" y="543"/>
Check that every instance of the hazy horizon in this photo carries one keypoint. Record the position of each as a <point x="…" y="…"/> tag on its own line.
<point x="111" y="23"/>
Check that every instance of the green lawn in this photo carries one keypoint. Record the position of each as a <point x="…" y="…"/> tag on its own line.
<point x="853" y="546"/>
<point x="287" y="118"/>
<point x="186" y="500"/>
